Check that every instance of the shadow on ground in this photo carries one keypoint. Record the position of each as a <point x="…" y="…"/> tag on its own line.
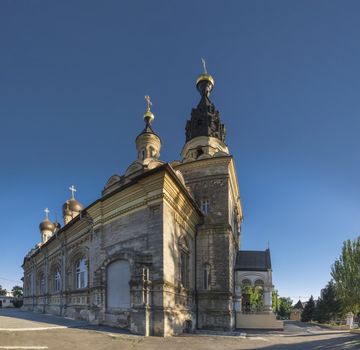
<point x="349" y="342"/>
<point x="41" y="319"/>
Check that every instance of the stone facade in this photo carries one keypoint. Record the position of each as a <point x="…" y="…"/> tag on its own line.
<point x="143" y="224"/>
<point x="156" y="253"/>
<point x="214" y="187"/>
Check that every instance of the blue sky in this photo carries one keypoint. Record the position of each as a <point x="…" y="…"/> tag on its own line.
<point x="72" y="79"/>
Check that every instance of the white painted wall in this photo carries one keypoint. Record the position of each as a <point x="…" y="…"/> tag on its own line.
<point x="6" y="301"/>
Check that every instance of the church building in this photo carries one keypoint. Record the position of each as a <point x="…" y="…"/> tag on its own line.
<point x="159" y="252"/>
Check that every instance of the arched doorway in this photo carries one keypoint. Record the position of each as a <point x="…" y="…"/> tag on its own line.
<point x="117" y="288"/>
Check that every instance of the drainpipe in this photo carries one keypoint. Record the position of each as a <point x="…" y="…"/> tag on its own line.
<point x="195" y="275"/>
<point x="234" y="295"/>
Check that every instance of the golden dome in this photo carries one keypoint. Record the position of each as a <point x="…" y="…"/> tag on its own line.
<point x="206" y="77"/>
<point x="46" y="225"/>
<point x="149" y="117"/>
<point x="72" y="205"/>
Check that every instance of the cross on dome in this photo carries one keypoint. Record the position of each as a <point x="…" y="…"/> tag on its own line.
<point x="205" y="76"/>
<point x="149" y="103"/>
<point x="148" y="116"/>
<point x="47" y="211"/>
<point x="204" y="65"/>
<point x="73" y="190"/>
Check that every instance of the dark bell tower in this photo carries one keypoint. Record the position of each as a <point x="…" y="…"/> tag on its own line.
<point x="209" y="172"/>
<point x="205" y="118"/>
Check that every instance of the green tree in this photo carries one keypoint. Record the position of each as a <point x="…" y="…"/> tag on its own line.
<point x="285" y="306"/>
<point x="346" y="274"/>
<point x="256" y="298"/>
<point x="275" y="300"/>
<point x="18" y="296"/>
<point x="328" y="306"/>
<point x="17" y="292"/>
<point x="308" y="313"/>
<point x="2" y="290"/>
<point x="255" y="294"/>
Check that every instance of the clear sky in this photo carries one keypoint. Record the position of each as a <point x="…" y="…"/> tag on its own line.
<point x="73" y="75"/>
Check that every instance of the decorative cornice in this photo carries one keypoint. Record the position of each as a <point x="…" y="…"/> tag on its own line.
<point x="200" y="163"/>
<point x="119" y="212"/>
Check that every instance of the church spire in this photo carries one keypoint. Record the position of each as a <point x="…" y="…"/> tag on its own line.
<point x="205" y="118"/>
<point x="205" y="134"/>
<point x="148" y="144"/>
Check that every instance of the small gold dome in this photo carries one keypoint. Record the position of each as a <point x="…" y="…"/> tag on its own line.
<point x="149" y="117"/>
<point x="72" y="205"/>
<point x="46" y="225"/>
<point x="203" y="77"/>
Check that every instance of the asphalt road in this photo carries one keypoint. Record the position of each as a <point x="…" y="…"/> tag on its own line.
<point x="26" y="330"/>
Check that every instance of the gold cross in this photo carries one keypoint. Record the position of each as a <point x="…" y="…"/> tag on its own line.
<point x="204" y="65"/>
<point x="73" y="190"/>
<point x="149" y="103"/>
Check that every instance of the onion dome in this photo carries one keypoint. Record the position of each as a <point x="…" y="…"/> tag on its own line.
<point x="72" y="205"/>
<point x="46" y="227"/>
<point x="148" y="146"/>
<point x="71" y="208"/>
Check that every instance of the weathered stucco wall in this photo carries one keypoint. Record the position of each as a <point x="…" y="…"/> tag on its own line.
<point x="137" y="225"/>
<point x="217" y="238"/>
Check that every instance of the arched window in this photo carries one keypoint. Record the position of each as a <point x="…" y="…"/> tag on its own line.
<point x="205" y="206"/>
<point x="184" y="263"/>
<point x="117" y="286"/>
<point x="246" y="282"/>
<point x="81" y="274"/>
<point x="152" y="151"/>
<point x="259" y="282"/>
<point x="206" y="277"/>
<point x="57" y="280"/>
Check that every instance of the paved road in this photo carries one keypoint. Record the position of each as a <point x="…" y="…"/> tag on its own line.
<point x="26" y="330"/>
<point x="17" y="319"/>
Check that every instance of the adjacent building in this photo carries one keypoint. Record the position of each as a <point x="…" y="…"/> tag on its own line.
<point x="6" y="300"/>
<point x="296" y="311"/>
